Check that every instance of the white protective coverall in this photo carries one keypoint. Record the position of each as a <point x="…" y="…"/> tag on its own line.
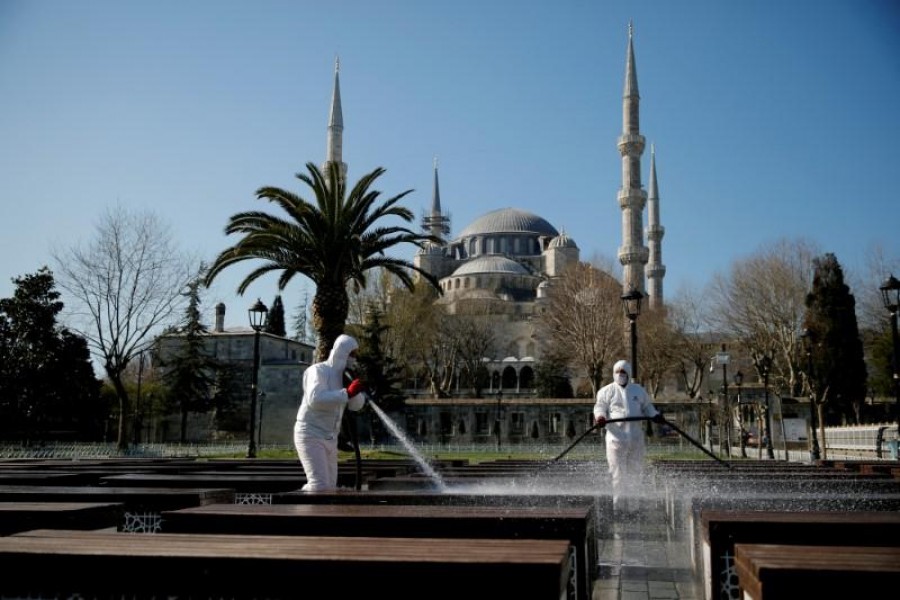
<point x="319" y="417"/>
<point x="625" y="440"/>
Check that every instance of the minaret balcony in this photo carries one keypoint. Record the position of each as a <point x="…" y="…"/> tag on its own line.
<point x="631" y="144"/>
<point x="655" y="271"/>
<point x="655" y="232"/>
<point x="635" y="198"/>
<point x="629" y="255"/>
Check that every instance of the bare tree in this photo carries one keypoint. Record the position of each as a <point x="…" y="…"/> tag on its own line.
<point x="124" y="285"/>
<point x="583" y="320"/>
<point x="476" y="342"/>
<point x="691" y="342"/>
<point x="657" y="348"/>
<point x="413" y="319"/>
<point x="760" y="304"/>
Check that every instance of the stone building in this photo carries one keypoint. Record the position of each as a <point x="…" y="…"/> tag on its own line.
<point x="282" y="362"/>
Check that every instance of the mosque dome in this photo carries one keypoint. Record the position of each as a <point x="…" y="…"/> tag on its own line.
<point x="491" y="264"/>
<point x="509" y="220"/>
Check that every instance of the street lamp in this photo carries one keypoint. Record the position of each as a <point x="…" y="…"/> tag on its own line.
<point x="257" y="313"/>
<point x="262" y="401"/>
<point x="765" y="365"/>
<point x="722" y="358"/>
<point x="738" y="380"/>
<point x="497" y="420"/>
<point x="814" y="452"/>
<point x="136" y="435"/>
<point x="890" y="293"/>
<point x="632" y="304"/>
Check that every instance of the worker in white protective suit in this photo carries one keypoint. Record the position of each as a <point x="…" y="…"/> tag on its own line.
<point x="319" y="418"/>
<point x="624" y="440"/>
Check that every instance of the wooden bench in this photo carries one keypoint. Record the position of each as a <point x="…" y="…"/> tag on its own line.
<point x="144" y="566"/>
<point x="600" y="504"/>
<point x="778" y="572"/>
<point x="142" y="506"/>
<point x="680" y="496"/>
<point x="574" y="524"/>
<point x="723" y="529"/>
<point x="20" y="516"/>
<point x="243" y="484"/>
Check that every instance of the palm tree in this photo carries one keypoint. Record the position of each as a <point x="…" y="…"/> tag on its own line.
<point x="333" y="242"/>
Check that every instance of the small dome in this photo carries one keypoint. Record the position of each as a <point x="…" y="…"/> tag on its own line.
<point x="562" y="241"/>
<point x="491" y="264"/>
<point x="509" y="220"/>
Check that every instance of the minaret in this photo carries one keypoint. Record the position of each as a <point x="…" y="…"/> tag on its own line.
<point x="632" y="198"/>
<point x="335" y="144"/>
<point x="655" y="232"/>
<point x="436" y="223"/>
<point x="430" y="257"/>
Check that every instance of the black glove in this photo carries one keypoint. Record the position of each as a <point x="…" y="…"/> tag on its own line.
<point x="659" y="418"/>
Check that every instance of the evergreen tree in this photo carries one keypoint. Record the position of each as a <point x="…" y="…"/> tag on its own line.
<point x="47" y="381"/>
<point x="380" y="371"/>
<point x="275" y="319"/>
<point x="301" y="320"/>
<point x="839" y="368"/>
<point x="551" y="378"/>
<point x="191" y="371"/>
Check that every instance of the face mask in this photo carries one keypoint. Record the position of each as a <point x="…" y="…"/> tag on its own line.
<point x="622" y="378"/>
<point x="351" y="362"/>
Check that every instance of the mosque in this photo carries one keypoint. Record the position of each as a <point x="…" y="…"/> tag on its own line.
<point x="503" y="262"/>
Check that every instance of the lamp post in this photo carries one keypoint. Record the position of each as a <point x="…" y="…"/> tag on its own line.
<point x="136" y="435"/>
<point x="723" y="358"/>
<point x="890" y="294"/>
<point x="632" y="305"/>
<point x="814" y="451"/>
<point x="765" y="365"/>
<point x="738" y="380"/>
<point x="497" y="420"/>
<point x="262" y="401"/>
<point x="257" y="313"/>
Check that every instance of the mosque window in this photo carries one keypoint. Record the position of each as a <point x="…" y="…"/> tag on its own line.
<point x="466" y="283"/>
<point x="517" y="423"/>
<point x="446" y="423"/>
<point x="481" y="423"/>
<point x="554" y="425"/>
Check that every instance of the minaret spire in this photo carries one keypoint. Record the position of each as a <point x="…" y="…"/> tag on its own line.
<point x="436" y="223"/>
<point x="335" y="143"/>
<point x="655" y="269"/>
<point x="632" y="198"/>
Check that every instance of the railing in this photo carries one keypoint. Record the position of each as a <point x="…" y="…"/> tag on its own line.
<point x="856" y="441"/>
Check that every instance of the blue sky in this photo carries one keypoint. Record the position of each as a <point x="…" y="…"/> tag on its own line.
<point x="770" y="119"/>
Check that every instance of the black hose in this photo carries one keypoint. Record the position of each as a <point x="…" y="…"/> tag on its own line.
<point x="696" y="443"/>
<point x="592" y="428"/>
<point x="623" y="419"/>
